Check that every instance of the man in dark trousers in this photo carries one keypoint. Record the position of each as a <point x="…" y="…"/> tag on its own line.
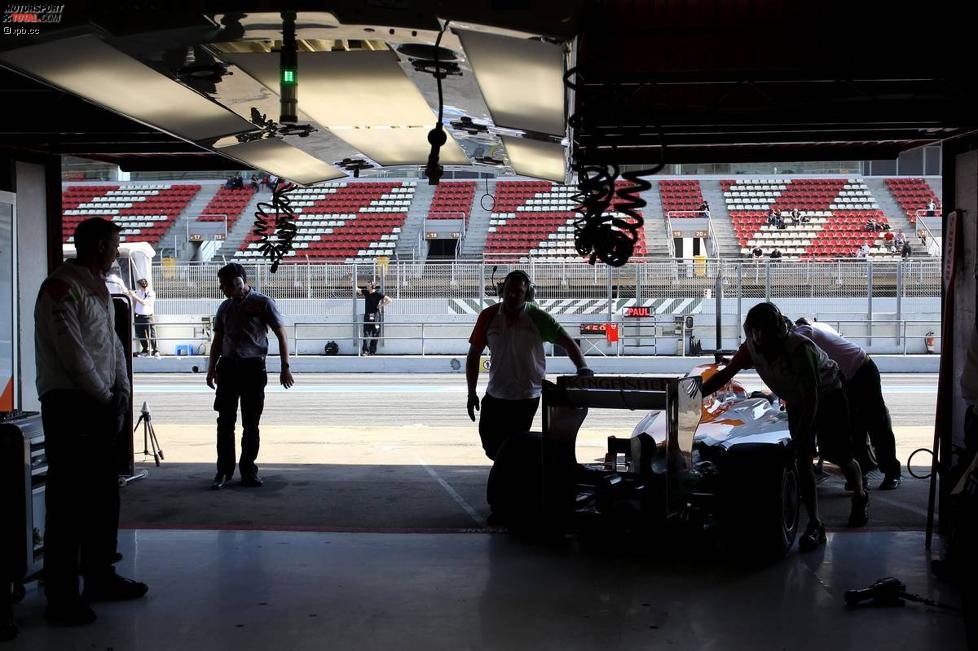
<point x="864" y="392"/>
<point x="801" y="374"/>
<point x="145" y="299"/>
<point x="237" y="365"/>
<point x="514" y="330"/>
<point x="83" y="384"/>
<point x="373" y="302"/>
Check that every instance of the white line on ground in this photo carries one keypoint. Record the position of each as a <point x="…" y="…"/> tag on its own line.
<point x="451" y="492"/>
<point x="874" y="496"/>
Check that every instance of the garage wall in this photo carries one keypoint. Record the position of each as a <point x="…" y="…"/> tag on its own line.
<point x="966" y="198"/>
<point x="32" y="237"/>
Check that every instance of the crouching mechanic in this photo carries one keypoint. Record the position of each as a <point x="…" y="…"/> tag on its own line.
<point x="237" y="364"/>
<point x="83" y="384"/>
<point x="864" y="392"/>
<point x="514" y="330"/>
<point x="810" y="383"/>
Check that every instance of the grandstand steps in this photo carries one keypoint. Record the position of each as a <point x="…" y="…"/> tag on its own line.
<point x="894" y="213"/>
<point x="242" y="227"/>
<point x="477" y="230"/>
<point x="411" y="232"/>
<point x="177" y="235"/>
<point x="656" y="238"/>
<point x="720" y="218"/>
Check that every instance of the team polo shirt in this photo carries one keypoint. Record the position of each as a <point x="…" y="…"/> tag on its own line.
<point x="518" y="361"/>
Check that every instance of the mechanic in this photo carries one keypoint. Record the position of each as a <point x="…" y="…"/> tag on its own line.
<point x="237" y="364"/>
<point x="810" y="383"/>
<point x="373" y="302"/>
<point x="145" y="299"/>
<point x="83" y="384"/>
<point x="865" y="395"/>
<point x="514" y="329"/>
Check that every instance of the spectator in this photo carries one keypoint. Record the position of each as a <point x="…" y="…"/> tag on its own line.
<point x="864" y="393"/>
<point x="757" y="252"/>
<point x="931" y="208"/>
<point x="705" y="208"/>
<point x="899" y="240"/>
<point x="795" y="217"/>
<point x="922" y="236"/>
<point x="83" y="384"/>
<point x="374" y="302"/>
<point x="772" y="217"/>
<point x="907" y="250"/>
<point x="863" y="251"/>
<point x="515" y="330"/>
<point x="810" y="383"/>
<point x="775" y="254"/>
<point x="779" y="222"/>
<point x="253" y="182"/>
<point x="805" y="218"/>
<point x="870" y="225"/>
<point x="237" y="365"/>
<point x="145" y="299"/>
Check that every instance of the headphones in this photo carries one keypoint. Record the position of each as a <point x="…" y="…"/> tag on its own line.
<point x="516" y="273"/>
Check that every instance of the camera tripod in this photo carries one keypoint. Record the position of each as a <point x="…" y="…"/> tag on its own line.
<point x="150" y="442"/>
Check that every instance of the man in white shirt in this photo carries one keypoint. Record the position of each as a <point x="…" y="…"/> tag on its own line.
<point x="83" y="384"/>
<point x="145" y="299"/>
<point x="865" y="393"/>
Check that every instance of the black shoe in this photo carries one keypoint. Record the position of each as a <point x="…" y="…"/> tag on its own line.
<point x="890" y="482"/>
<point x="113" y="587"/>
<point x="859" y="515"/>
<point x="219" y="480"/>
<point x="813" y="537"/>
<point x="71" y="613"/>
<point x="252" y="481"/>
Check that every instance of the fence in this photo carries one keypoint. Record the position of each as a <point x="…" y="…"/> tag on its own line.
<point x="733" y="279"/>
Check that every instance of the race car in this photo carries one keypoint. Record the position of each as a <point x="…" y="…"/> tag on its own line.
<point x="726" y="461"/>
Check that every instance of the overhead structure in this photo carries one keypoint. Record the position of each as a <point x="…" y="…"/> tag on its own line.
<point x="300" y="94"/>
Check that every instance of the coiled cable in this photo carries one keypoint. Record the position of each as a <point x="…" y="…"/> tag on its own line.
<point x="284" y="228"/>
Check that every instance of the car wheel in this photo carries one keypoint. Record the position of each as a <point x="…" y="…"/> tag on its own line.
<point x="761" y="505"/>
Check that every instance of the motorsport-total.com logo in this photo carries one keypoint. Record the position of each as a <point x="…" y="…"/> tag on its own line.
<point x="29" y="17"/>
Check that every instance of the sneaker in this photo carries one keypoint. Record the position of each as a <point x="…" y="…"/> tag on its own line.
<point x="252" y="481"/>
<point x="813" y="537"/>
<point x="113" y="587"/>
<point x="890" y="482"/>
<point x="156" y="354"/>
<point x="859" y="515"/>
<point x="71" y="613"/>
<point x="219" y="480"/>
<point x="144" y="353"/>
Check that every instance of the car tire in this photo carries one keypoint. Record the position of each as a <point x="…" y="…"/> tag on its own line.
<point x="761" y="502"/>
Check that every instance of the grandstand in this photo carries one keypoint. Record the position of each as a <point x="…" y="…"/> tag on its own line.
<point x="363" y="220"/>
<point x="913" y="195"/>
<point x="350" y="222"/>
<point x="144" y="211"/>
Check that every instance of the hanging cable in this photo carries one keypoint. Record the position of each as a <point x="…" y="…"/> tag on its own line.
<point x="609" y="224"/>
<point x="437" y="136"/>
<point x="284" y="228"/>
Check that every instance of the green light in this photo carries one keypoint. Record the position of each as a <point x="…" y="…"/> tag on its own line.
<point x="288" y="76"/>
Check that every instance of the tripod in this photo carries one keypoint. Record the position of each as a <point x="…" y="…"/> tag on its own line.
<point x="149" y="435"/>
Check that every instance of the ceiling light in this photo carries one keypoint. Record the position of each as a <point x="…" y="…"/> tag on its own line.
<point x="283" y="160"/>
<point x="363" y="97"/>
<point x="521" y="80"/>
<point x="88" y="67"/>
<point x="541" y="160"/>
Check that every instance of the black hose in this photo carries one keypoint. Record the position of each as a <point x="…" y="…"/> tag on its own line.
<point x="285" y="227"/>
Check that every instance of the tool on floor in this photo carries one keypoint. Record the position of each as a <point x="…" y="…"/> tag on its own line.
<point x="889" y="591"/>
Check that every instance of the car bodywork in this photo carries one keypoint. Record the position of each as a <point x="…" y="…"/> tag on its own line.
<point x="726" y="456"/>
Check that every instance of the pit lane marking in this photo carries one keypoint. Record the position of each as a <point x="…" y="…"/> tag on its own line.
<point x="451" y="492"/>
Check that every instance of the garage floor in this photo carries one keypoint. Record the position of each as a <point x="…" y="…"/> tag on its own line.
<point x="292" y="590"/>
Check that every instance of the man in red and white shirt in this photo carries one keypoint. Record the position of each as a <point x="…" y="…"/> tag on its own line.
<point x="514" y="330"/>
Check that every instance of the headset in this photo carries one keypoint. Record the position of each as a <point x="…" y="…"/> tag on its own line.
<point x="516" y="273"/>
